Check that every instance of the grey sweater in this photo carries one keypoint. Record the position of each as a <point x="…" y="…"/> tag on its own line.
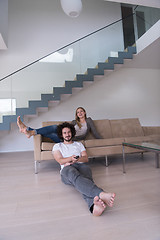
<point x="90" y="128"/>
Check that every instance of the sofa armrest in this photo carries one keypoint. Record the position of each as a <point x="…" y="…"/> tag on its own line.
<point x="150" y="130"/>
<point x="37" y="140"/>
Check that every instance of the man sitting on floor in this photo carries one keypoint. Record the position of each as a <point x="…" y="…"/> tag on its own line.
<point x="72" y="157"/>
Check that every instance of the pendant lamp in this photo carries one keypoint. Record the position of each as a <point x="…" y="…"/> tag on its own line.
<point x="71" y="7"/>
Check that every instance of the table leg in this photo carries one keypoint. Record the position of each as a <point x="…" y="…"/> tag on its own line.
<point x="124" y="171"/>
<point x="157" y="159"/>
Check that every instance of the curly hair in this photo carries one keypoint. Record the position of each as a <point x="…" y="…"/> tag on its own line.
<point x="65" y="125"/>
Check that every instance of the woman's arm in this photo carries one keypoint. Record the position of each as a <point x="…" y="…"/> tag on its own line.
<point x="93" y="128"/>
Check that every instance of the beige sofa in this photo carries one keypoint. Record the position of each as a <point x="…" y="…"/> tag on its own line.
<point x="113" y="132"/>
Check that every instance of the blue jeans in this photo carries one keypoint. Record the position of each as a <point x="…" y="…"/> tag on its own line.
<point x="79" y="175"/>
<point x="48" y="131"/>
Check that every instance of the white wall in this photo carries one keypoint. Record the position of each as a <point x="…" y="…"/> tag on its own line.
<point x="126" y="93"/>
<point x="37" y="28"/>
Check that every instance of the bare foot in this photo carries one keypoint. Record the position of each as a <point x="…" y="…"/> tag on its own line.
<point x="21" y="125"/>
<point x="23" y="128"/>
<point x="99" y="206"/>
<point x="29" y="133"/>
<point x="107" y="198"/>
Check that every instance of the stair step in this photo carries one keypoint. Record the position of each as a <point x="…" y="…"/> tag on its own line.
<point x="62" y="90"/>
<point x="34" y="104"/>
<point x="7" y="118"/>
<point x="84" y="77"/>
<point x="106" y="66"/>
<point x="95" y="71"/>
<point x="73" y="84"/>
<point x="5" y="126"/>
<point x="25" y="111"/>
<point x="47" y="97"/>
<point x="115" y="60"/>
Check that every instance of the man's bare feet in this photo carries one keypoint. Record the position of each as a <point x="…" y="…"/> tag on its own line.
<point x="99" y="206"/>
<point x="107" y="198"/>
<point x="21" y="125"/>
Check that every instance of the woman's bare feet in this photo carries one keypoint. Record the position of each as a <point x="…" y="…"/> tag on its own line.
<point x="99" y="206"/>
<point x="23" y="128"/>
<point x="21" y="125"/>
<point x="107" y="198"/>
<point x="30" y="133"/>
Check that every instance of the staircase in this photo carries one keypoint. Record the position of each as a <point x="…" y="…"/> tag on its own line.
<point x="102" y="67"/>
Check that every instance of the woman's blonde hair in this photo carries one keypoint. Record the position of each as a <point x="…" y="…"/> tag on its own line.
<point x="77" y="118"/>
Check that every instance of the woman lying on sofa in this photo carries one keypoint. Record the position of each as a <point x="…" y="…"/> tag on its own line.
<point x="83" y="125"/>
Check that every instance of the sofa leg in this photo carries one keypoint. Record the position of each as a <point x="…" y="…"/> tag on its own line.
<point x="36" y="163"/>
<point x="107" y="163"/>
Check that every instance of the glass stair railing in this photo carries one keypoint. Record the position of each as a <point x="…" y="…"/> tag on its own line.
<point x="47" y="79"/>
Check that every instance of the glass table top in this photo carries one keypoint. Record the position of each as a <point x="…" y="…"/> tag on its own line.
<point x="153" y="145"/>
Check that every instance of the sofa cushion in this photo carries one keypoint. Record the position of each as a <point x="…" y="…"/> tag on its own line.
<point x="103" y="142"/>
<point x="151" y="130"/>
<point x="47" y="146"/>
<point x="126" y="128"/>
<point x="44" y="124"/>
<point x="46" y="155"/>
<point x="103" y="127"/>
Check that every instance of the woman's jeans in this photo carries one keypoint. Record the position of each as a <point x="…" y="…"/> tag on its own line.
<point x="79" y="175"/>
<point x="48" y="131"/>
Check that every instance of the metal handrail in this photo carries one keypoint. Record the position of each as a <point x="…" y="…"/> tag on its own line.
<point x="100" y="29"/>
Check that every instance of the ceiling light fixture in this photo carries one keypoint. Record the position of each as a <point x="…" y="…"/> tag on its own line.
<point x="71" y="7"/>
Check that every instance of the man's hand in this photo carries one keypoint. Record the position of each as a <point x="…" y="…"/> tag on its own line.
<point x="69" y="160"/>
<point x="74" y="159"/>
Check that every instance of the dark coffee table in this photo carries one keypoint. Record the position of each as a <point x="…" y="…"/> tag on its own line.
<point x="153" y="146"/>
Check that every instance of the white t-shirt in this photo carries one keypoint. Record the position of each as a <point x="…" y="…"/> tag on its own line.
<point x="68" y="150"/>
<point x="82" y="130"/>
